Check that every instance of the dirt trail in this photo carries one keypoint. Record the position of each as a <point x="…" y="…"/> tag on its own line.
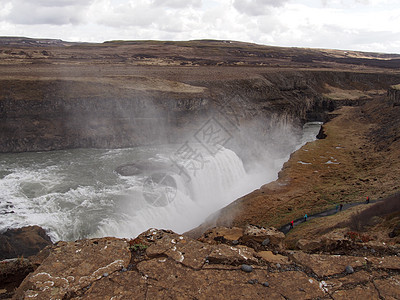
<point x="329" y="212"/>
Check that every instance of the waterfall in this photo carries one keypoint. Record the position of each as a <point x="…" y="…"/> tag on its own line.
<point x="201" y="188"/>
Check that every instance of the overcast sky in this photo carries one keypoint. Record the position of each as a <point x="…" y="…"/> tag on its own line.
<point x="368" y="25"/>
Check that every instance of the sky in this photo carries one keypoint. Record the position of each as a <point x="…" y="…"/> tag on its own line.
<point x="365" y="25"/>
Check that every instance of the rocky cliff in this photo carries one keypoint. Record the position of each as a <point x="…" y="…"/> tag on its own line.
<point x="231" y="263"/>
<point x="61" y="95"/>
<point x="48" y="114"/>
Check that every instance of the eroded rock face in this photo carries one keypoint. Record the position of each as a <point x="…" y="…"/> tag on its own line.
<point x="393" y="95"/>
<point x="12" y="273"/>
<point x="222" y="234"/>
<point x="161" y="264"/>
<point x="327" y="243"/>
<point x="25" y="241"/>
<point x="264" y="236"/>
<point x="72" y="267"/>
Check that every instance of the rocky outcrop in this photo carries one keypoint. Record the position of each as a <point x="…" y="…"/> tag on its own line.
<point x="321" y="134"/>
<point x="270" y="237"/>
<point x="25" y="241"/>
<point x="393" y="95"/>
<point x="162" y="264"/>
<point x="74" y="266"/>
<point x="12" y="273"/>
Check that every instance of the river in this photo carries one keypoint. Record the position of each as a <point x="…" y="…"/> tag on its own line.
<point x="78" y="193"/>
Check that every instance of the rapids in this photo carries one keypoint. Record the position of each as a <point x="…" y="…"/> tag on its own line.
<point x="77" y="193"/>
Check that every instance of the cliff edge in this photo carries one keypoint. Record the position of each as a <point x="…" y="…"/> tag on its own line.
<point x="160" y="264"/>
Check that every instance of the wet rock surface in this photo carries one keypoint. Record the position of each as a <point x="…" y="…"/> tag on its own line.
<point x="161" y="264"/>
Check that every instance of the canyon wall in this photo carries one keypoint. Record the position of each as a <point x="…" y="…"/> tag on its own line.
<point x="38" y="114"/>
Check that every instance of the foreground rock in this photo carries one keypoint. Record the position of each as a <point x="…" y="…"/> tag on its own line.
<point x="25" y="241"/>
<point x="256" y="237"/>
<point x="72" y="267"/>
<point x="12" y="273"/>
<point x="264" y="236"/>
<point x="161" y="264"/>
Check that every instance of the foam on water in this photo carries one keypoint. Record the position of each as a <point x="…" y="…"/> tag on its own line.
<point x="77" y="194"/>
<point x="208" y="188"/>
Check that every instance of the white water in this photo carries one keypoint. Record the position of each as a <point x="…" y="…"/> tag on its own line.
<point x="77" y="194"/>
<point x="208" y="189"/>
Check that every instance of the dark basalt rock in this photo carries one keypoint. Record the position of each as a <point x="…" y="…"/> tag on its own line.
<point x="25" y="241"/>
<point x="395" y="232"/>
<point x="349" y="270"/>
<point x="246" y="268"/>
<point x="142" y="167"/>
<point x="128" y="170"/>
<point x="321" y="134"/>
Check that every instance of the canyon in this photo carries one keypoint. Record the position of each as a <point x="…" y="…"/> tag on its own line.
<point x="58" y="95"/>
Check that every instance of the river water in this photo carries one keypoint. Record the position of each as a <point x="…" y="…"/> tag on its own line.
<point x="78" y="193"/>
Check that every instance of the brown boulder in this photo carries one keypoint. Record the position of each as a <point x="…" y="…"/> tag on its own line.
<point x="25" y="241"/>
<point x="309" y="245"/>
<point x="194" y="253"/>
<point x="160" y="264"/>
<point x="224" y="254"/>
<point x="178" y="248"/>
<point x="221" y="234"/>
<point x="260" y="234"/>
<point x="73" y="266"/>
<point x="173" y="267"/>
<point x="327" y="243"/>
<point x="12" y="273"/>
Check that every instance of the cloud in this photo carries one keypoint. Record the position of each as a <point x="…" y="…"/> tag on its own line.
<point x="353" y="24"/>
<point x="126" y="14"/>
<point x="148" y="15"/>
<point x="257" y="7"/>
<point x="59" y="3"/>
<point x="47" y="12"/>
<point x="359" y="3"/>
<point x="178" y="3"/>
<point x="5" y="8"/>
